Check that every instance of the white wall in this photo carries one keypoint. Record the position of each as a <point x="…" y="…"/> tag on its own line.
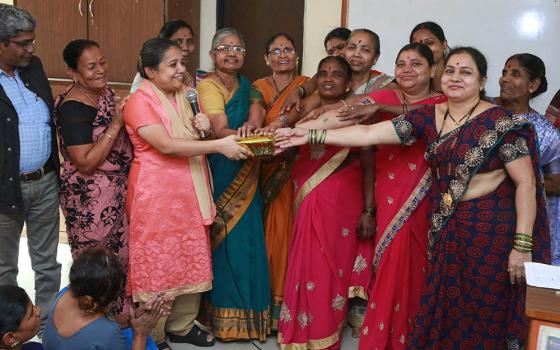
<point x="207" y="30"/>
<point x="320" y="17"/>
<point x="499" y="28"/>
<point x="11" y="2"/>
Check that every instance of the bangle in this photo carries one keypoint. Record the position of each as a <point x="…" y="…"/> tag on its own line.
<point x="284" y="119"/>
<point x="344" y="103"/>
<point x="109" y="135"/>
<point x="311" y="136"/>
<point x="301" y="91"/>
<point x="370" y="211"/>
<point x="322" y="137"/>
<point x="523" y="236"/>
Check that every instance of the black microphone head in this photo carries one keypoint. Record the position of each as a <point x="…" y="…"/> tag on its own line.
<point x="192" y="96"/>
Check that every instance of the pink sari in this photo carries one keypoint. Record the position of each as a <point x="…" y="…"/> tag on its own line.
<point x="328" y="202"/>
<point x="399" y="257"/>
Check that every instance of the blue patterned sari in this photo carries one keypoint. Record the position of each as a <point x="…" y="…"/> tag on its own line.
<point x="468" y="301"/>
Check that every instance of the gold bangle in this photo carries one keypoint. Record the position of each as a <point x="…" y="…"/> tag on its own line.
<point x="322" y="136"/>
<point x="311" y="137"/>
<point x="523" y="235"/>
<point x="108" y="135"/>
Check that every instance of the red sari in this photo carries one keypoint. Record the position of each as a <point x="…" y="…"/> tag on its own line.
<point x="399" y="258"/>
<point x="328" y="202"/>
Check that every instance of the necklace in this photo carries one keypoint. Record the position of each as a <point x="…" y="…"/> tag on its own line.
<point x="276" y="84"/>
<point x="453" y="133"/>
<point x="366" y="86"/>
<point x="458" y="121"/>
<point x="91" y="99"/>
<point x="224" y="84"/>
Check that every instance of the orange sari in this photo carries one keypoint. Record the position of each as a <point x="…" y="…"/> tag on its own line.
<point x="277" y="191"/>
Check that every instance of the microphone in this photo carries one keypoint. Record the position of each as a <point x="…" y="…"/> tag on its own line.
<point x="192" y="97"/>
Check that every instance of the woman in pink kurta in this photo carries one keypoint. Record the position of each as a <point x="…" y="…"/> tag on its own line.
<point x="169" y="199"/>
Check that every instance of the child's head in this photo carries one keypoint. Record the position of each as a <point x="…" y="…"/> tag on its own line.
<point x="19" y="319"/>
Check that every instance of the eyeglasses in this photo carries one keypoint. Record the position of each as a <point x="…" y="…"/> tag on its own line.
<point x="26" y="44"/>
<point x="228" y="48"/>
<point x="278" y="51"/>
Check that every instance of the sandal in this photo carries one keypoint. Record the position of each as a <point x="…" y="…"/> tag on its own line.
<point x="195" y="336"/>
<point x="163" y="346"/>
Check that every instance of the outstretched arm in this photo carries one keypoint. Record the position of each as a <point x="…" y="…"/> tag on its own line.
<point x="352" y="136"/>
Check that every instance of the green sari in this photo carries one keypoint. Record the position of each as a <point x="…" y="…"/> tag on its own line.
<point x="240" y="298"/>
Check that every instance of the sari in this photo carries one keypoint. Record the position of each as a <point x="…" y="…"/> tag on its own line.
<point x="398" y="261"/>
<point x="549" y="149"/>
<point x="277" y="190"/>
<point x="239" y="303"/>
<point x="328" y="203"/>
<point x="468" y="301"/>
<point x="553" y="110"/>
<point x="361" y="274"/>
<point x="377" y="80"/>
<point x="94" y="205"/>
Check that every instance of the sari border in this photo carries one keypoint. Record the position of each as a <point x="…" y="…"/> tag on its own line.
<point x="232" y="210"/>
<point x="143" y="297"/>
<point x="313" y="344"/>
<point x="412" y="202"/>
<point x="320" y="175"/>
<point x="236" y="324"/>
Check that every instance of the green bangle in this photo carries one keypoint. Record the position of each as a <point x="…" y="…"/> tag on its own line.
<point x="524" y="235"/>
<point x="521" y="249"/>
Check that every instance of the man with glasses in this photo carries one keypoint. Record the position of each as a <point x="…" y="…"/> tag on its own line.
<point x="28" y="158"/>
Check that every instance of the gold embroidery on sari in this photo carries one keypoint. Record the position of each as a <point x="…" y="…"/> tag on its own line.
<point x="321" y="174"/>
<point x="235" y="200"/>
<point x="402" y="215"/>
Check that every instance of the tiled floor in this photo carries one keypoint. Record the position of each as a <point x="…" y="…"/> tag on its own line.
<point x="26" y="281"/>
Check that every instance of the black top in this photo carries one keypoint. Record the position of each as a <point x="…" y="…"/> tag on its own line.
<point x="35" y="79"/>
<point x="75" y="120"/>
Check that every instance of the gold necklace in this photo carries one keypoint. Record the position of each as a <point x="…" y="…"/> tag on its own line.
<point x="224" y="84"/>
<point x="92" y="100"/>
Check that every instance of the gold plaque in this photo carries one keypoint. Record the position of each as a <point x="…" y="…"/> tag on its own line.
<point x="259" y="145"/>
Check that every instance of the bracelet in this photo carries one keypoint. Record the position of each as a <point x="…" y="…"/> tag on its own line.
<point x="370" y="211"/>
<point x="108" y="135"/>
<point x="523" y="236"/>
<point x="301" y="91"/>
<point x="284" y="119"/>
<point x="312" y="136"/>
<point x="522" y="249"/>
<point x="322" y="137"/>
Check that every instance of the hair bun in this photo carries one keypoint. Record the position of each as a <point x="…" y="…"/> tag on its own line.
<point x="86" y="303"/>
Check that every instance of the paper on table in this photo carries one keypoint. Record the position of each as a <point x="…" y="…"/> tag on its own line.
<point x="542" y="275"/>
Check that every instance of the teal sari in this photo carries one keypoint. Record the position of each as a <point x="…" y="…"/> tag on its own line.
<point x="240" y="298"/>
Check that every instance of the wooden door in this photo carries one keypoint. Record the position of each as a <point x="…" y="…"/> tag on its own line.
<point x="258" y="20"/>
<point x="188" y="11"/>
<point x="120" y="27"/>
<point x="58" y="22"/>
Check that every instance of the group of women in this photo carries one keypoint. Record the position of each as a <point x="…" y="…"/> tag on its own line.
<point x="419" y="244"/>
